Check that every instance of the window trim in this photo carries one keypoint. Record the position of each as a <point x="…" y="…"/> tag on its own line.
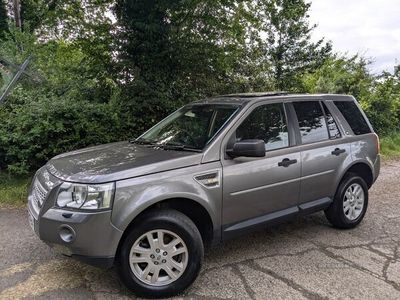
<point x="300" y="140"/>
<point x="323" y="103"/>
<point x="248" y="112"/>
<point x="293" y="124"/>
<point x="368" y="123"/>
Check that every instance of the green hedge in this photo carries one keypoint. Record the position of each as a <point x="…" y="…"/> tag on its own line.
<point x="36" y="126"/>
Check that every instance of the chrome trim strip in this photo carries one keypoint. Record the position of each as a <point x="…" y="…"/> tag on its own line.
<point x="280" y="183"/>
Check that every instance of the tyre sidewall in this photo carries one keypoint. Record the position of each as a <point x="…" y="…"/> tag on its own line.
<point x="339" y="199"/>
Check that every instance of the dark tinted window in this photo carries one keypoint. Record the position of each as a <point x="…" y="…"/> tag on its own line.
<point x="267" y="123"/>
<point x="220" y="117"/>
<point x="353" y="116"/>
<point x="311" y="121"/>
<point x="191" y="126"/>
<point x="333" y="129"/>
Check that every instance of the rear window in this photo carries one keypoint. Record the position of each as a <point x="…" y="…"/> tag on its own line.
<point x="353" y="116"/>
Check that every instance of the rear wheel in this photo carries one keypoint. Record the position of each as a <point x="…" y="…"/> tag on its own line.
<point x="350" y="203"/>
<point x="161" y="255"/>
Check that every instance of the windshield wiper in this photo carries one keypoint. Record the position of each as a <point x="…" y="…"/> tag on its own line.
<point x="142" y="142"/>
<point x="178" y="147"/>
<point x="165" y="146"/>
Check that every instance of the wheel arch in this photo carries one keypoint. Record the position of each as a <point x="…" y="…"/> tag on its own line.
<point x="195" y="211"/>
<point x="362" y="169"/>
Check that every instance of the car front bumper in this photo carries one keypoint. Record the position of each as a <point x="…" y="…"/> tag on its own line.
<point x="87" y="236"/>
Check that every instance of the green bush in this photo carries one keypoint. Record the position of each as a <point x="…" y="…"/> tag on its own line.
<point x="37" y="125"/>
<point x="382" y="112"/>
<point x="390" y="145"/>
<point x="13" y="190"/>
<point x="383" y="105"/>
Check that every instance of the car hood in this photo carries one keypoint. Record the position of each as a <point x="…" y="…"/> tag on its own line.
<point x="117" y="161"/>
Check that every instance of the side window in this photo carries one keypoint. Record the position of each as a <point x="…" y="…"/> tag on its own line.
<point x="311" y="121"/>
<point x="267" y="123"/>
<point x="221" y="116"/>
<point x="333" y="129"/>
<point x="353" y="116"/>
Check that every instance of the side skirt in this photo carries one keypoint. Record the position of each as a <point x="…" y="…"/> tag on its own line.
<point x="232" y="230"/>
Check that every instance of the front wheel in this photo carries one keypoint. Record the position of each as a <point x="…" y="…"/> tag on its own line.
<point x="350" y="203"/>
<point x="161" y="255"/>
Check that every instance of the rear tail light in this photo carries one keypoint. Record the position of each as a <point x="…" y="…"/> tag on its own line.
<point x="378" y="143"/>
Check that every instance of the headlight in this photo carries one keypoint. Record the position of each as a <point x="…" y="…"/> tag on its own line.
<point x="82" y="196"/>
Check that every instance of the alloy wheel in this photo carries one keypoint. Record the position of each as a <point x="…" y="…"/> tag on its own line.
<point x="158" y="257"/>
<point x="353" y="202"/>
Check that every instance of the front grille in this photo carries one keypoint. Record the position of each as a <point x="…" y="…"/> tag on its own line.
<point x="39" y="194"/>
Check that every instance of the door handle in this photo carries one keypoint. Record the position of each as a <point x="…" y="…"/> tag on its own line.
<point x="338" y="151"/>
<point x="286" y="162"/>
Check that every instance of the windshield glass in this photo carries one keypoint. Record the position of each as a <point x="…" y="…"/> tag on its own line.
<point x="191" y="126"/>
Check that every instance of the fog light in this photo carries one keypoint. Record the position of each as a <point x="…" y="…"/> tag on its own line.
<point x="67" y="234"/>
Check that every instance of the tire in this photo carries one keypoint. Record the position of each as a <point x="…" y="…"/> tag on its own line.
<point x="340" y="213"/>
<point x="172" y="225"/>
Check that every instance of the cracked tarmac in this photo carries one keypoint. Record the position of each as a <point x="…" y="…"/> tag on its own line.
<point x="302" y="259"/>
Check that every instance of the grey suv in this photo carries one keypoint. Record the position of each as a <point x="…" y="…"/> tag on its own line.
<point x="210" y="171"/>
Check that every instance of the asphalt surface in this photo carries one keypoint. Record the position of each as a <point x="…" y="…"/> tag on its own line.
<point x="302" y="259"/>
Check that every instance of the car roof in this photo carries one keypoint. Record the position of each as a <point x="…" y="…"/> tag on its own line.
<point x="244" y="98"/>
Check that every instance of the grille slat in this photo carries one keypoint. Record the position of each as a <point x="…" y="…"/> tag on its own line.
<point x="39" y="194"/>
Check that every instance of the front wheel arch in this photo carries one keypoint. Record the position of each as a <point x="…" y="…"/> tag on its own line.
<point x="192" y="209"/>
<point x="154" y="220"/>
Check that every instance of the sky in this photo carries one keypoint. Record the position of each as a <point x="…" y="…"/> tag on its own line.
<point x="368" y="27"/>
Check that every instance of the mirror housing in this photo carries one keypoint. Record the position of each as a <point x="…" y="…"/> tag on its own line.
<point x="248" y="148"/>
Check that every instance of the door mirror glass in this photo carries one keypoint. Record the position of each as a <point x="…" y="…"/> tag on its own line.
<point x="248" y="148"/>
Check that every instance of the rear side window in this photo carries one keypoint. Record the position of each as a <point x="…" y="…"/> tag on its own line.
<point x="333" y="129"/>
<point x="311" y="121"/>
<point x="353" y="116"/>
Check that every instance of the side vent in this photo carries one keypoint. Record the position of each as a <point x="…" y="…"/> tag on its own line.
<point x="209" y="180"/>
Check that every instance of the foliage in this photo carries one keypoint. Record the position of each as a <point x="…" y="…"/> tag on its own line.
<point x="390" y="145"/>
<point x="379" y="96"/>
<point x="13" y="190"/>
<point x="382" y="105"/>
<point x="32" y="132"/>
<point x="172" y="52"/>
<point x="340" y="75"/>
<point x="3" y="20"/>
<point x="288" y="45"/>
<point x="96" y="78"/>
<point x="61" y="106"/>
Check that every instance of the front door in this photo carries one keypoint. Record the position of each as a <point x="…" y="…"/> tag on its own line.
<point x="257" y="190"/>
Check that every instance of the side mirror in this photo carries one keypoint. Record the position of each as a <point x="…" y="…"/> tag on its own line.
<point x="248" y="148"/>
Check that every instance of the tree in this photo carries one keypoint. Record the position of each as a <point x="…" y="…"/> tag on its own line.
<point x="288" y="46"/>
<point x="171" y="52"/>
<point x="17" y="13"/>
<point x="340" y="75"/>
<point x="3" y="20"/>
<point x="79" y="30"/>
<point x="383" y="103"/>
<point x="378" y="95"/>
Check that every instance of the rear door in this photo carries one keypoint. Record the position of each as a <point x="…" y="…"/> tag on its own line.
<point x="324" y="151"/>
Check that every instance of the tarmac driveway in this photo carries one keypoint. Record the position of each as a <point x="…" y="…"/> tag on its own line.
<point x="303" y="259"/>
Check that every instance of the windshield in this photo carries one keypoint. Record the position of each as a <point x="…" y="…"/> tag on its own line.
<point x="190" y="127"/>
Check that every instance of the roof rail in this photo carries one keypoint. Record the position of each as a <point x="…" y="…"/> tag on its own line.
<point x="253" y="95"/>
